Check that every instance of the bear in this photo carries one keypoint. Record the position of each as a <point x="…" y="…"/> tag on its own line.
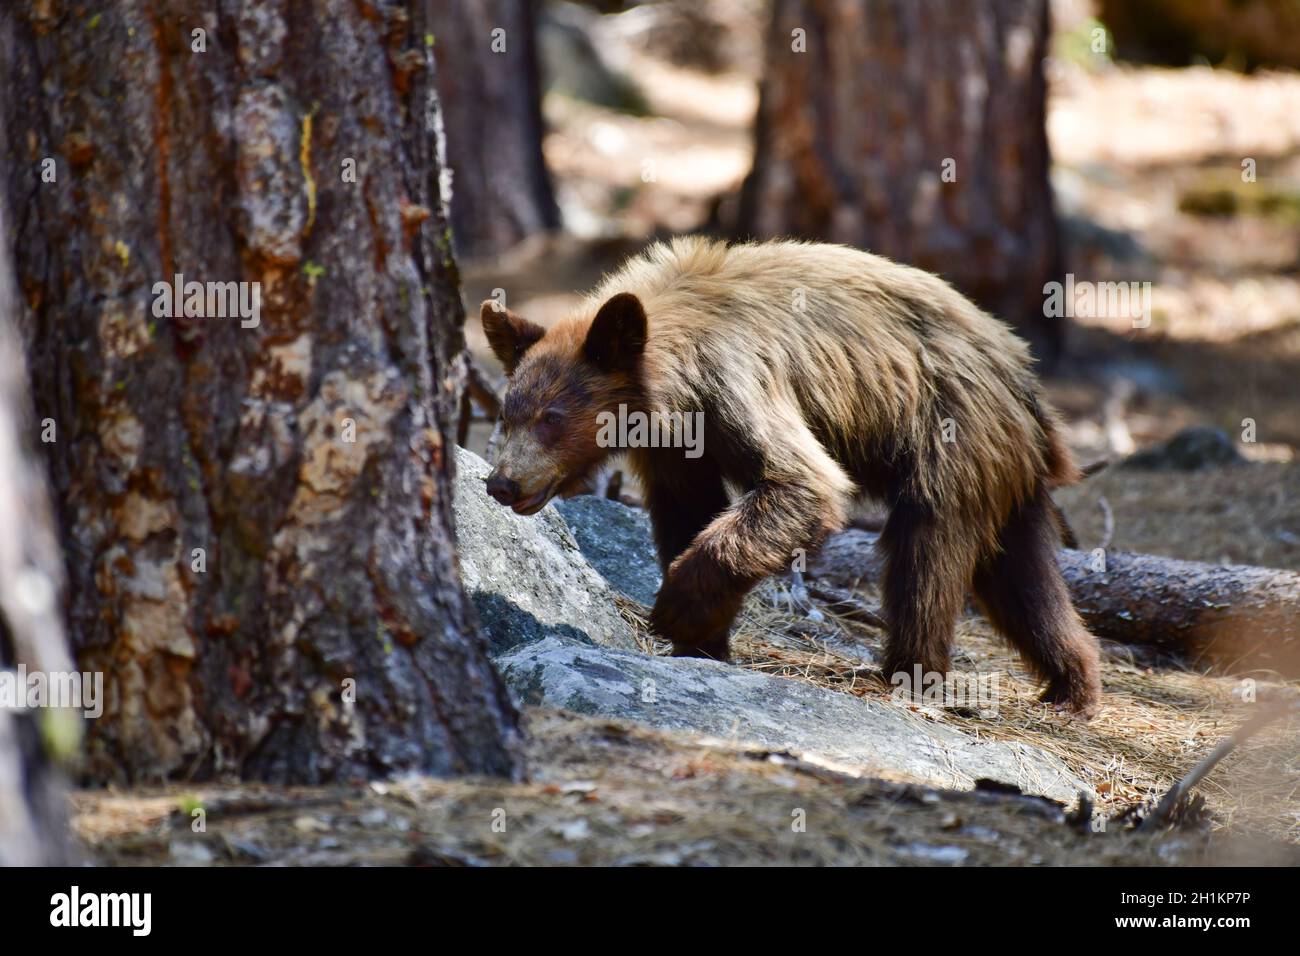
<point x="823" y="374"/>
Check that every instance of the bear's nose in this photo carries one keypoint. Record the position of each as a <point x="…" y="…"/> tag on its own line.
<point x="502" y="489"/>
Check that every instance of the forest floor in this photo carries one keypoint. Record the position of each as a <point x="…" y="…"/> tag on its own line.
<point x="611" y="793"/>
<point x="1148" y="184"/>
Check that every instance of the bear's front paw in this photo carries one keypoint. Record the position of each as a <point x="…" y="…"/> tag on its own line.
<point x="714" y="649"/>
<point x="692" y="629"/>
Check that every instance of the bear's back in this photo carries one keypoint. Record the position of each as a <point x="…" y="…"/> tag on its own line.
<point x="799" y="300"/>
<point x="873" y="354"/>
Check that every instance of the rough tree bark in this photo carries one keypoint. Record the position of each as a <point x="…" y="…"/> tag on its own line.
<point x="858" y="137"/>
<point x="1231" y="617"/>
<point x="252" y="516"/>
<point x="490" y="88"/>
<point x="32" y="814"/>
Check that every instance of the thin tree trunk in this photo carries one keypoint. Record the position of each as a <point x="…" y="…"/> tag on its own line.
<point x="1231" y="617"/>
<point x="32" y="810"/>
<point x="914" y="129"/>
<point x="256" y="518"/>
<point x="489" y="83"/>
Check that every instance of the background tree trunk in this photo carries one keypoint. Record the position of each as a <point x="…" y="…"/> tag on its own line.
<point x="854" y="137"/>
<point x="252" y="517"/>
<point x="491" y="99"/>
<point x="32" y="810"/>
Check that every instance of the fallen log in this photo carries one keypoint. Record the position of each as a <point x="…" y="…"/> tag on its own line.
<point x="1232" y="618"/>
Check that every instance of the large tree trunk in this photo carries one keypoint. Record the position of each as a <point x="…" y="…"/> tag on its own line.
<point x="32" y="810"/>
<point x="256" y="519"/>
<point x="489" y="83"/>
<point x="914" y="129"/>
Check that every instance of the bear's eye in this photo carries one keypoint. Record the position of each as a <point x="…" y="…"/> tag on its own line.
<point x="551" y="418"/>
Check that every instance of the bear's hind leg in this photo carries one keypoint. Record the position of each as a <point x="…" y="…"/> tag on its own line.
<point x="1022" y="593"/>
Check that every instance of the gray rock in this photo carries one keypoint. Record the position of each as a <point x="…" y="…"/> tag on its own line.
<point x="616" y="540"/>
<point x="728" y="702"/>
<point x="1188" y="450"/>
<point x="526" y="576"/>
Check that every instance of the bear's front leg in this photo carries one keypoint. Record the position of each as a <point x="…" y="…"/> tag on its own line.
<point x="756" y="536"/>
<point x="696" y="605"/>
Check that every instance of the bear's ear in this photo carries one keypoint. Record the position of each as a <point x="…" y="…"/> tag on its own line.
<point x="509" y="335"/>
<point x="617" y="334"/>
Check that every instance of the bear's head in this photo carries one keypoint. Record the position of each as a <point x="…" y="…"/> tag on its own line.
<point x="560" y="383"/>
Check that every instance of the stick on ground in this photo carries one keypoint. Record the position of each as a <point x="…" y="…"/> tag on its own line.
<point x="1165" y="810"/>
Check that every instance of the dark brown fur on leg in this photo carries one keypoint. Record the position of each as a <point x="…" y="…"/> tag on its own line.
<point x="682" y="505"/>
<point x="704" y="587"/>
<point x="927" y="571"/>
<point x="697" y="603"/>
<point x="1024" y="596"/>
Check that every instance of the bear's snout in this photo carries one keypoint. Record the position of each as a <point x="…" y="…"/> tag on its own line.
<point x="502" y="488"/>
